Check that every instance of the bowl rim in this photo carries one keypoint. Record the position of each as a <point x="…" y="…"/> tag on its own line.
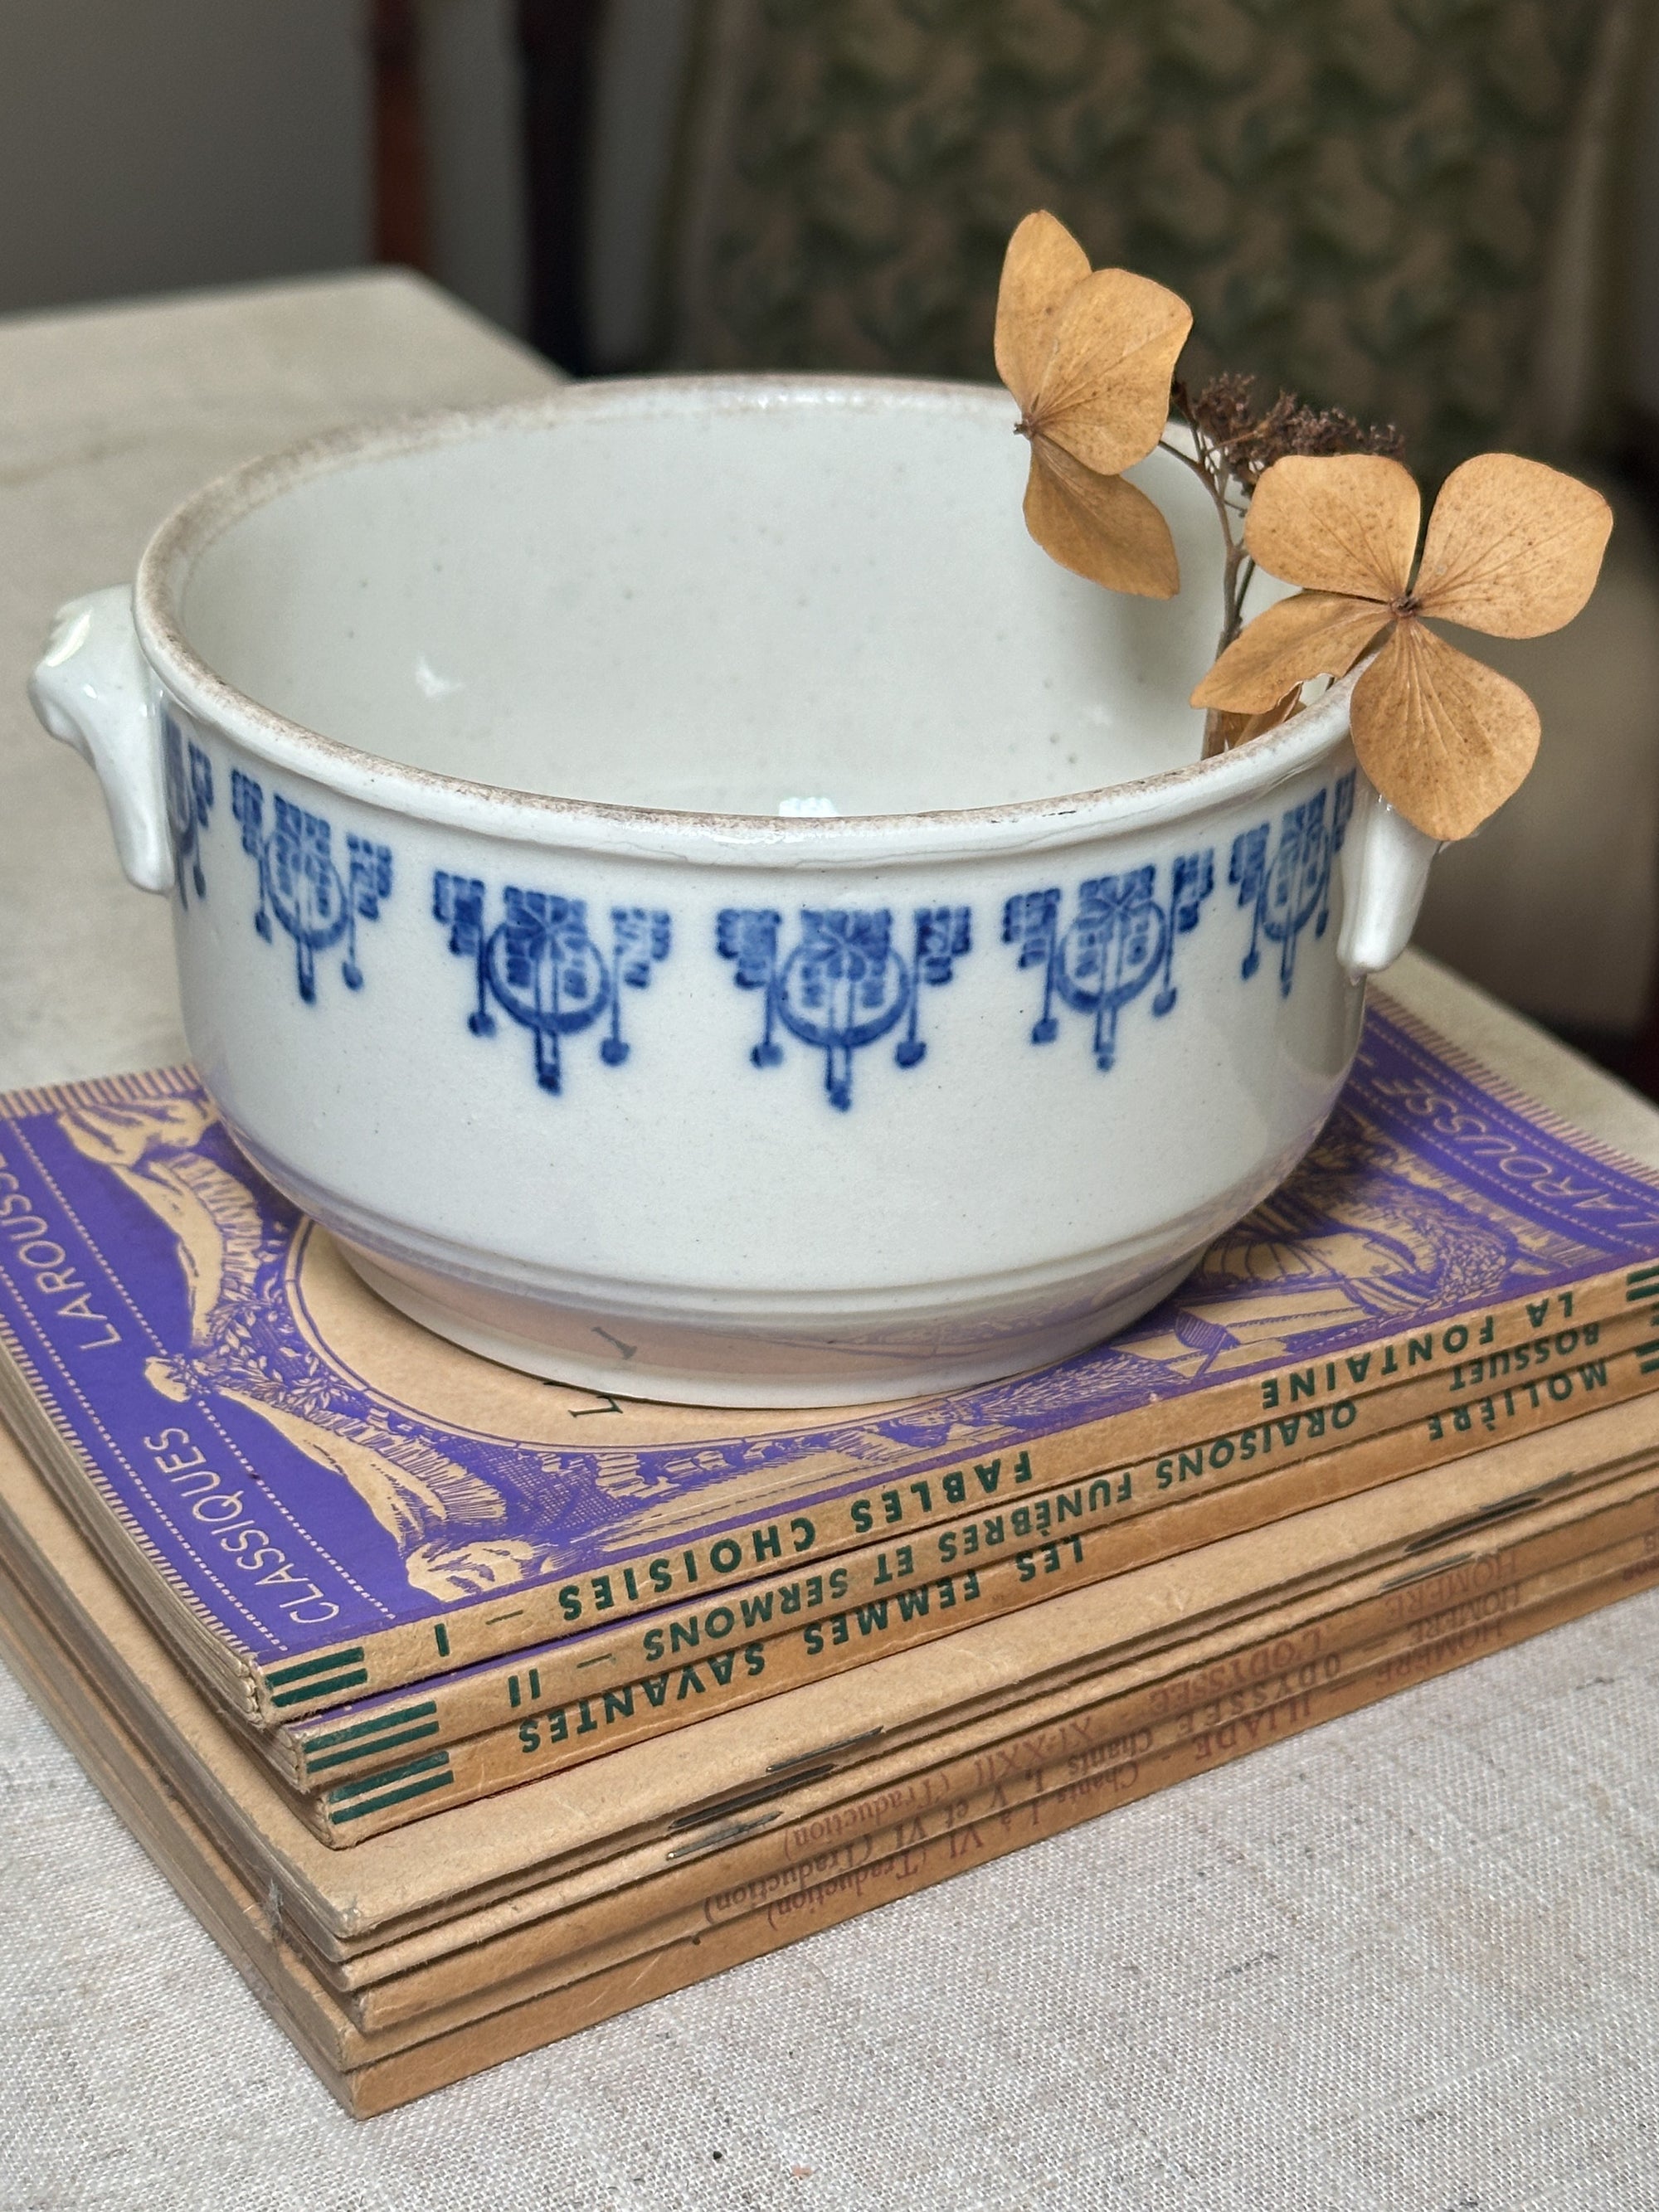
<point x="1196" y="789"/>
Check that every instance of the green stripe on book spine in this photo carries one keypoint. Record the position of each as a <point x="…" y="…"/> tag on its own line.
<point x="359" y="1751"/>
<point x="352" y="1800"/>
<point x="276" y="1676"/>
<point x="393" y="1797"/>
<point x="321" y="1689"/>
<point x="396" y="1718"/>
<point x="432" y="1761"/>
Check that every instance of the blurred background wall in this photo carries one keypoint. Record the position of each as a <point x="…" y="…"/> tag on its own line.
<point x="154" y="145"/>
<point x="1639" y="361"/>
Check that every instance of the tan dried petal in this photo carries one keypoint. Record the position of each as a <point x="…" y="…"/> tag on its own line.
<point x="1104" y="392"/>
<point x="1223" y="732"/>
<point x="1043" y="266"/>
<point x="1342" y="522"/>
<point x="1099" y="526"/>
<point x="1257" y="725"/>
<point x="1444" y="739"/>
<point x="1315" y="634"/>
<point x="1513" y="548"/>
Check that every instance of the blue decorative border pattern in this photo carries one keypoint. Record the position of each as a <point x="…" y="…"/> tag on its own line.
<point x="1291" y="888"/>
<point x="541" y="966"/>
<point x="851" y="977"/>
<point x="1121" y="937"/>
<point x="844" y="984"/>
<point x="302" y="888"/>
<point x="188" y="776"/>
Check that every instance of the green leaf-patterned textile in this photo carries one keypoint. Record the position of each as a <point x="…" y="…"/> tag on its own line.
<point x="1358" y="196"/>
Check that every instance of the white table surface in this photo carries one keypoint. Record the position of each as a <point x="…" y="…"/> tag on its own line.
<point x="1408" y="1963"/>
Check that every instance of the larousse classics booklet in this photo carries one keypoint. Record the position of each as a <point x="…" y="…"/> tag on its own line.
<point x="525" y="1968"/>
<point x="317" y="1501"/>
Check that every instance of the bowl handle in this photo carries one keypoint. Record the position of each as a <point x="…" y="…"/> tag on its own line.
<point x="94" y="690"/>
<point x="1385" y="872"/>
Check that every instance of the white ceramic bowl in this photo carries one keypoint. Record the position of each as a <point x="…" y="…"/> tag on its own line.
<point x="484" y="759"/>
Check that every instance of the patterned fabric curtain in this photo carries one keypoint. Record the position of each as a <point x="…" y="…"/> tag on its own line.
<point x="1378" y="204"/>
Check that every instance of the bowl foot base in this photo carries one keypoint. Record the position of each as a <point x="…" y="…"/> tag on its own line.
<point x="684" y="1365"/>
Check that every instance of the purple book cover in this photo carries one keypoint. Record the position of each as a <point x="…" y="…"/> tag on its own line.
<point x="306" y="1468"/>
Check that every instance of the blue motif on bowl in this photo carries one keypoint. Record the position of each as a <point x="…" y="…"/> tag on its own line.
<point x="1293" y="887"/>
<point x="1121" y="937"/>
<point x="302" y="888"/>
<point x="844" y="984"/>
<point x="188" y="773"/>
<point x="541" y="966"/>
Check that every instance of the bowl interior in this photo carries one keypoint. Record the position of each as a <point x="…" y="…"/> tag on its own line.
<point x="745" y="599"/>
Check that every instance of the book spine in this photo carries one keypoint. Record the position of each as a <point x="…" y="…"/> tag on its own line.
<point x="949" y="1847"/>
<point x="1206" y="1490"/>
<point x="1242" y="1696"/>
<point x="553" y="1740"/>
<point x="1290" y="1625"/>
<point x="977" y="1827"/>
<point x="1509" y="1346"/>
<point x="957" y="1798"/>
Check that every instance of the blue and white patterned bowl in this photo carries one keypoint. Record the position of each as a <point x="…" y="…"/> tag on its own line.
<point x="702" y="907"/>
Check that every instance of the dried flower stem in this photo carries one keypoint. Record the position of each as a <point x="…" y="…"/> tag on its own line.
<point x="1232" y="446"/>
<point x="1236" y="568"/>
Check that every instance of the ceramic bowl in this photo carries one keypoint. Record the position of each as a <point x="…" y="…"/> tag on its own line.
<point x="701" y="906"/>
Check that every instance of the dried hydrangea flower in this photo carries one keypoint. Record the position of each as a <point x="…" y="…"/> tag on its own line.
<point x="1512" y="547"/>
<point x="1247" y="439"/>
<point x="1088" y="357"/>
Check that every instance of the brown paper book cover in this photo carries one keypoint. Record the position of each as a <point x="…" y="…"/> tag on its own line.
<point x="479" y="1865"/>
<point x="552" y="1739"/>
<point x="373" y="2072"/>
<point x="1227" y="1685"/>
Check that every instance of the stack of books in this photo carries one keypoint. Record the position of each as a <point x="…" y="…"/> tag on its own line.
<point x="465" y="1709"/>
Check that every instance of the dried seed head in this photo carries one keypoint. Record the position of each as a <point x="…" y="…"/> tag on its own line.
<point x="1249" y="438"/>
